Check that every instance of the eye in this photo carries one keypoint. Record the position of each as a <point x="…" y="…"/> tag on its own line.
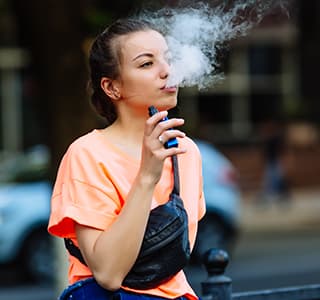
<point x="146" y="64"/>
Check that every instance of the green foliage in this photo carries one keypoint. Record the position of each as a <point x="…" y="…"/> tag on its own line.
<point x="96" y="19"/>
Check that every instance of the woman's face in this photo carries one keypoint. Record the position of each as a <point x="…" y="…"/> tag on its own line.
<point x="144" y="71"/>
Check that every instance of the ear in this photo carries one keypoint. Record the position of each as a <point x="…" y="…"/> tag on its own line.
<point x="110" y="87"/>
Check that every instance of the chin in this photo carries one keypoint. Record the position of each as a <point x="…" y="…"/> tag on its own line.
<point x="168" y="103"/>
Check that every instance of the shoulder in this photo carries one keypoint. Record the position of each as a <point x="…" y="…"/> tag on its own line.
<point x="190" y="145"/>
<point x="83" y="160"/>
<point x="82" y="150"/>
<point x="88" y="145"/>
<point x="192" y="157"/>
<point x="83" y="142"/>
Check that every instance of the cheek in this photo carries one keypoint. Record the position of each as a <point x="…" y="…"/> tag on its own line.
<point x="135" y="87"/>
<point x="139" y="81"/>
<point x="129" y="83"/>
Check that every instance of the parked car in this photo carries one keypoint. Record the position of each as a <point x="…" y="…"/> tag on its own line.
<point x="220" y="226"/>
<point x="24" y="211"/>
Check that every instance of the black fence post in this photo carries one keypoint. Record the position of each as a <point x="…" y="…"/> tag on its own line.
<point x="217" y="286"/>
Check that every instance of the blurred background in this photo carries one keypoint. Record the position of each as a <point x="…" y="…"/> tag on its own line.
<point x="258" y="132"/>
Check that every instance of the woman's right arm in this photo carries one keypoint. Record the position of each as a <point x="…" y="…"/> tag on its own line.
<point x="110" y="254"/>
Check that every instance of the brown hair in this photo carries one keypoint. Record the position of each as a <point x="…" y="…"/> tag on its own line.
<point x="104" y="61"/>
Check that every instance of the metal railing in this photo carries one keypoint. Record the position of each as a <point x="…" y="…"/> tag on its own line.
<point x="219" y="287"/>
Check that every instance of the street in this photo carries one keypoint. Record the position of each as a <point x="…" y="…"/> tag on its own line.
<point x="282" y="261"/>
<point x="269" y="261"/>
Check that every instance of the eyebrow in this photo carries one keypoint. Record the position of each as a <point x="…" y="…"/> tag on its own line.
<point x="147" y="54"/>
<point x="142" y="55"/>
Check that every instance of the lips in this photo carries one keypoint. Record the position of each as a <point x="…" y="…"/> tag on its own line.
<point x="170" y="89"/>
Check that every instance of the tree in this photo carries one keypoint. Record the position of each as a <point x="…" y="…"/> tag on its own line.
<point x="53" y="31"/>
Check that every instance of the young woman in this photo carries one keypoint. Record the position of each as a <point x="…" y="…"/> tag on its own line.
<point x="109" y="179"/>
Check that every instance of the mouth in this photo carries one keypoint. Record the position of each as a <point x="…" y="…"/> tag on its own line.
<point x="169" y="89"/>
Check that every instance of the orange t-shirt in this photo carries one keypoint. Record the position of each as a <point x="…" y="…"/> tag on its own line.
<point x="92" y="184"/>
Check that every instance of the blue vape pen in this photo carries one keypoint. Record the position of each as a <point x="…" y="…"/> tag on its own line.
<point x="170" y="143"/>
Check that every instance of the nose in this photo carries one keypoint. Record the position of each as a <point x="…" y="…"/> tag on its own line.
<point x="165" y="70"/>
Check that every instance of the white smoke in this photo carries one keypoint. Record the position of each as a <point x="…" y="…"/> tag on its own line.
<point x="195" y="33"/>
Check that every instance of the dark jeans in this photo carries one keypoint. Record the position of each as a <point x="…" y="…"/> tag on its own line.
<point x="88" y="289"/>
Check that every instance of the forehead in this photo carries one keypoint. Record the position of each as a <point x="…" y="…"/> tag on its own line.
<point x="149" y="41"/>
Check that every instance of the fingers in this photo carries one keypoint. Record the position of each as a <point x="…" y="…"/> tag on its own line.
<point x="170" y="134"/>
<point x="156" y="125"/>
<point x="157" y="120"/>
<point x="162" y="150"/>
<point x="153" y="121"/>
<point x="159" y="131"/>
<point x="168" y="124"/>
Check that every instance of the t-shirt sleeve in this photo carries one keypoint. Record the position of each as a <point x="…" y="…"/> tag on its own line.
<point x="83" y="194"/>
<point x="202" y="202"/>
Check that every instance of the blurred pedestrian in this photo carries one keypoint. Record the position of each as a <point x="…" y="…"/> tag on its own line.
<point x="275" y="182"/>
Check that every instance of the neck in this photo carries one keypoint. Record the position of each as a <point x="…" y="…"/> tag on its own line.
<point x="130" y="123"/>
<point x="127" y="134"/>
<point x="131" y="130"/>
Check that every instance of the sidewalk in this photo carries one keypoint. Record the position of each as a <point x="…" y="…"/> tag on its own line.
<point x="301" y="213"/>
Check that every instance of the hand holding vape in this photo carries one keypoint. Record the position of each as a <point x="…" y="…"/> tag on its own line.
<point x="170" y="143"/>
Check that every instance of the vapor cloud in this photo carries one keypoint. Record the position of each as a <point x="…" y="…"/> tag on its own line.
<point x="195" y="33"/>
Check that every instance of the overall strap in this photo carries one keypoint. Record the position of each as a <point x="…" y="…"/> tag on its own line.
<point x="74" y="250"/>
<point x="175" y="166"/>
